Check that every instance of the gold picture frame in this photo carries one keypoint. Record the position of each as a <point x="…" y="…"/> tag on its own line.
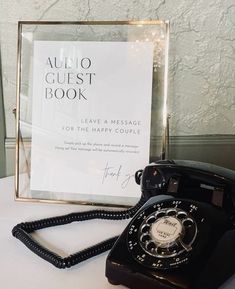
<point x="28" y="32"/>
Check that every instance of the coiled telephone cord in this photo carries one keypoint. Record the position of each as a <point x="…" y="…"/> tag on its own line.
<point x="22" y="232"/>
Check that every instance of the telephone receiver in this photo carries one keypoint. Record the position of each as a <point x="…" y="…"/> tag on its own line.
<point x="198" y="181"/>
<point x="184" y="235"/>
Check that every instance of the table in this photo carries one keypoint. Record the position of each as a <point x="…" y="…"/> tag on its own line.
<point x="22" y="269"/>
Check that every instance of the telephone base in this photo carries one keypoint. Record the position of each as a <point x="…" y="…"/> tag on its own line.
<point x="131" y="262"/>
<point x="119" y="274"/>
<point x="114" y="282"/>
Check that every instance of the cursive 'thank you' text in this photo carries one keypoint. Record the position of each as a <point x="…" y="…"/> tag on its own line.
<point x="116" y="173"/>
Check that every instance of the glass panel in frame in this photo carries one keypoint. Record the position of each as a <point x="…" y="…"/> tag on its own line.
<point x="91" y="109"/>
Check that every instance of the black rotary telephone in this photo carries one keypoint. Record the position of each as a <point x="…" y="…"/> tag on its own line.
<point x="182" y="235"/>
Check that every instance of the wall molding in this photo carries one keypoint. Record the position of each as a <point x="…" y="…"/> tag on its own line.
<point x="10" y="143"/>
<point x="215" y="139"/>
<point x="218" y="139"/>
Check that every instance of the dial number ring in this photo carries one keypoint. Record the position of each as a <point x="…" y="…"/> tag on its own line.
<point x="178" y="247"/>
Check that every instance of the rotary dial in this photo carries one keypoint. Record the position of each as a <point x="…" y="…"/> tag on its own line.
<point x="167" y="233"/>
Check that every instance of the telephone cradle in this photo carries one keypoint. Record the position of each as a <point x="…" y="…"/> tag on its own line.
<point x="183" y="237"/>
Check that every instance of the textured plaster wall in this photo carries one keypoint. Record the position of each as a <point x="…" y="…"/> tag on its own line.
<point x="202" y="53"/>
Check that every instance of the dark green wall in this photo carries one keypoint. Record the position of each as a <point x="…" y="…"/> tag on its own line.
<point x="2" y="132"/>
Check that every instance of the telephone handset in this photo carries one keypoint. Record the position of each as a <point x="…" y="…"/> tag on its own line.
<point x="169" y="232"/>
<point x="191" y="180"/>
<point x="173" y="237"/>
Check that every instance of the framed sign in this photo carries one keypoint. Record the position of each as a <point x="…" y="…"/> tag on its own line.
<point x="91" y="109"/>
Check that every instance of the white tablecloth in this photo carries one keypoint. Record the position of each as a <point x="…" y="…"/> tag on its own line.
<point x="22" y="269"/>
